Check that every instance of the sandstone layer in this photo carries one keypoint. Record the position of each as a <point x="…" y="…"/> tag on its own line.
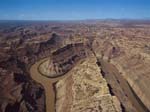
<point x="85" y="90"/>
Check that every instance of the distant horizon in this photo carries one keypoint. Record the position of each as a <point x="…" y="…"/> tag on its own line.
<point x="140" y="19"/>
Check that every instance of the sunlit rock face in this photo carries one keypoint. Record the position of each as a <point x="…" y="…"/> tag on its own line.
<point x="131" y="58"/>
<point x="85" y="90"/>
<point x="63" y="59"/>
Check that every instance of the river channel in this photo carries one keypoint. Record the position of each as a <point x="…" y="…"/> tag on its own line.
<point x="47" y="83"/>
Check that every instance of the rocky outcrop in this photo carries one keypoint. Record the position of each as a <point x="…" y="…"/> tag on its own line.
<point x="19" y="94"/>
<point x="85" y="90"/>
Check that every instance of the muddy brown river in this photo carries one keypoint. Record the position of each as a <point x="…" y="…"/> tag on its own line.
<point x="47" y="83"/>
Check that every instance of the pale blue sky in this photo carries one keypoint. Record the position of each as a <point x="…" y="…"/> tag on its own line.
<point x="73" y="9"/>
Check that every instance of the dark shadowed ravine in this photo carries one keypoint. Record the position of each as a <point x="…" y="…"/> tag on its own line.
<point x="113" y="77"/>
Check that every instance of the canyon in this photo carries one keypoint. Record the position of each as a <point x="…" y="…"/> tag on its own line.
<point x="74" y="67"/>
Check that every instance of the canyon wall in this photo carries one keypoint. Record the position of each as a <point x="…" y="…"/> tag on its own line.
<point x="63" y="59"/>
<point x="85" y="90"/>
<point x="131" y="59"/>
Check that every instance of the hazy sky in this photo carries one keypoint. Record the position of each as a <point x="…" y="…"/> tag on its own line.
<point x="73" y="9"/>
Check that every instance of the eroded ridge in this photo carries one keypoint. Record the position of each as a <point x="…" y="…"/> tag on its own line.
<point x="62" y="60"/>
<point x="85" y="90"/>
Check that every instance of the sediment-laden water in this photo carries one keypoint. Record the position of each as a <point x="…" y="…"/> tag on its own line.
<point x="47" y="83"/>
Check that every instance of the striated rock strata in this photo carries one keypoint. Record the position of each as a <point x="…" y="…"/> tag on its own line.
<point x="63" y="59"/>
<point x="130" y="57"/>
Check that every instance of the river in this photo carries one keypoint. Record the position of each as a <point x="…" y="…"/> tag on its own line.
<point x="47" y="83"/>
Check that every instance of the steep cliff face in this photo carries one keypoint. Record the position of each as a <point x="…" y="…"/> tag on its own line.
<point x="135" y="68"/>
<point x="131" y="59"/>
<point x="65" y="58"/>
<point x="85" y="90"/>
